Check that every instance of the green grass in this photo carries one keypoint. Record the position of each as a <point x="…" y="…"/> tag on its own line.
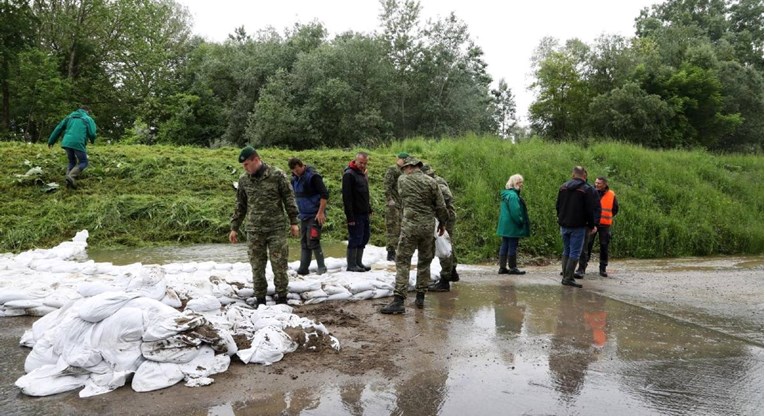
<point x="672" y="203"/>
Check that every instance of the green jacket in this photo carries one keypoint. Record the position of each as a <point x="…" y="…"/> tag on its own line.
<point x="77" y="129"/>
<point x="266" y="201"/>
<point x="513" y="217"/>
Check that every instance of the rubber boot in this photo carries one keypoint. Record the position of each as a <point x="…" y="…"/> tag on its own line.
<point x="391" y="255"/>
<point x="321" y="268"/>
<point x="580" y="271"/>
<point x="563" y="261"/>
<point x="513" y="265"/>
<point x="419" y="301"/>
<point x="350" y="257"/>
<point x="568" y="273"/>
<point x="395" y="307"/>
<point x="305" y="260"/>
<point x="603" y="271"/>
<point x="455" y="277"/>
<point x="71" y="177"/>
<point x="281" y="299"/>
<point x="503" y="265"/>
<point x="259" y="301"/>
<point x="442" y="285"/>
<point x="359" y="256"/>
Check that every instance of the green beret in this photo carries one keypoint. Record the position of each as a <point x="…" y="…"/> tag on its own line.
<point x="402" y="155"/>
<point x="246" y="153"/>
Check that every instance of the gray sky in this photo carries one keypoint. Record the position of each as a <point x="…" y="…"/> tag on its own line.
<point x="508" y="32"/>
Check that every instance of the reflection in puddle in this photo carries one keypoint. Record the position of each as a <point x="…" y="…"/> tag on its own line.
<point x="549" y="350"/>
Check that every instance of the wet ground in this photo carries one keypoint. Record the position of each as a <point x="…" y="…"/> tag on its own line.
<point x="671" y="337"/>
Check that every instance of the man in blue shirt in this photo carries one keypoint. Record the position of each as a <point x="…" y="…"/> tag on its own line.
<point x="311" y="195"/>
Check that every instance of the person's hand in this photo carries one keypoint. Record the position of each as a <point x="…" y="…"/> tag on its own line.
<point x="321" y="218"/>
<point x="294" y="230"/>
<point x="351" y="223"/>
<point x="232" y="237"/>
<point x="594" y="230"/>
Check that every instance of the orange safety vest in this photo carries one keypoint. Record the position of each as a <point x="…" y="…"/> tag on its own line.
<point x="606" y="207"/>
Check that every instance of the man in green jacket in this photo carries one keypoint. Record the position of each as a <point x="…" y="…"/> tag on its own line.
<point x="265" y="199"/>
<point x="77" y="128"/>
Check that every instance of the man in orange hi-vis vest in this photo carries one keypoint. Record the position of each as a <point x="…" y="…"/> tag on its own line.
<point x="609" y="207"/>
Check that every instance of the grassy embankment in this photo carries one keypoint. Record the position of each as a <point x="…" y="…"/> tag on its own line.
<point x="673" y="203"/>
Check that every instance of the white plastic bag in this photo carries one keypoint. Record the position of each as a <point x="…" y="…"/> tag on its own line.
<point x="443" y="245"/>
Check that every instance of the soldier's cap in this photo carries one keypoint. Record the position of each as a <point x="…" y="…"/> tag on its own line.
<point x="411" y="161"/>
<point x="246" y="153"/>
<point x="402" y="155"/>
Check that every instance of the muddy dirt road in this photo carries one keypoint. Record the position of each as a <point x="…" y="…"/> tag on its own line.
<point x="680" y="336"/>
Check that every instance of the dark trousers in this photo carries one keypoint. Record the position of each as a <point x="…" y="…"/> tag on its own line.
<point x="509" y="246"/>
<point x="76" y="158"/>
<point x="359" y="233"/>
<point x="604" y="237"/>
<point x="310" y="234"/>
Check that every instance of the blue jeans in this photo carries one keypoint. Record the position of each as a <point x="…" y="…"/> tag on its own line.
<point x="76" y="157"/>
<point x="573" y="240"/>
<point x="509" y="246"/>
<point x="359" y="233"/>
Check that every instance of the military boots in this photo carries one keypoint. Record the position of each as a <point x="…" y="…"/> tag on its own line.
<point x="419" y="301"/>
<point x="395" y="307"/>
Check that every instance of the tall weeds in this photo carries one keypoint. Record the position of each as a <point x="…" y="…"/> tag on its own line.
<point x="672" y="203"/>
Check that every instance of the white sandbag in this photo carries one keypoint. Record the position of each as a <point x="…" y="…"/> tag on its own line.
<point x="360" y="286"/>
<point x="88" y="289"/>
<point x="171" y="299"/>
<point x="154" y="376"/>
<point x="27" y="339"/>
<point x="245" y="292"/>
<point x="334" y="290"/>
<point x="149" y="283"/>
<point x="205" y="364"/>
<point x="170" y="350"/>
<point x="104" y="383"/>
<point x="340" y="296"/>
<point x="203" y="304"/>
<point x="61" y="297"/>
<point x="367" y="294"/>
<point x="42" y="354"/>
<point x="311" y="294"/>
<point x="269" y="345"/>
<point x="50" y="379"/>
<point x="8" y="312"/>
<point x="76" y="347"/>
<point x="164" y="326"/>
<point x="314" y="301"/>
<point x="7" y="295"/>
<point x="300" y="286"/>
<point x="118" y="338"/>
<point x="23" y="303"/>
<point x="382" y="293"/>
<point x="98" y="307"/>
<point x="41" y="310"/>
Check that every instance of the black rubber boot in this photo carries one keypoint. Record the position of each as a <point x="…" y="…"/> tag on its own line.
<point x="419" y="301"/>
<point x="359" y="256"/>
<point x="281" y="299"/>
<point x="442" y="285"/>
<point x="455" y="277"/>
<point x="513" y="265"/>
<point x="350" y="257"/>
<point x="580" y="271"/>
<point x="395" y="307"/>
<point x="391" y="255"/>
<point x="321" y="268"/>
<point x="259" y="301"/>
<point x="568" y="273"/>
<point x="603" y="271"/>
<point x="503" y="265"/>
<point x="305" y="260"/>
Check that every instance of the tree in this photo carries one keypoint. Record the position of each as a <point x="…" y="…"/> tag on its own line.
<point x="16" y="34"/>
<point x="504" y="113"/>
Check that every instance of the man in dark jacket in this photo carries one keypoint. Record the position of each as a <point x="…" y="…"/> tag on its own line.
<point x="77" y="128"/>
<point x="357" y="209"/>
<point x="607" y="208"/>
<point x="576" y="215"/>
<point x="311" y="195"/>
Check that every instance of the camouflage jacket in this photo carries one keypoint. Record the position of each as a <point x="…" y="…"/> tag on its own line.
<point x="266" y="200"/>
<point x="391" y="186"/>
<point x="448" y="197"/>
<point x="422" y="201"/>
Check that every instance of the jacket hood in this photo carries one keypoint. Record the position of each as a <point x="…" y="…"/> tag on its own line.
<point x="573" y="184"/>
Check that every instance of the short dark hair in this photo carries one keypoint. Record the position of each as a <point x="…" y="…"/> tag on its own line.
<point x="294" y="162"/>
<point x="85" y="107"/>
<point x="579" y="171"/>
<point x="603" y="179"/>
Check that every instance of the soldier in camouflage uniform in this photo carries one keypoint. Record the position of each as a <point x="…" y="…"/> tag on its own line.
<point x="422" y="203"/>
<point x="393" y="205"/>
<point x="265" y="199"/>
<point x="448" y="264"/>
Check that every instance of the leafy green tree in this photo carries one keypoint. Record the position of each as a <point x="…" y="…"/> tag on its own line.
<point x="16" y="34"/>
<point x="504" y="109"/>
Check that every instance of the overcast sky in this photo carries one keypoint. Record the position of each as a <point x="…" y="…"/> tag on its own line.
<point x="507" y="31"/>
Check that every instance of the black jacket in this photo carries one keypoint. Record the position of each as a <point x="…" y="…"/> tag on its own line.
<point x="355" y="194"/>
<point x="576" y="204"/>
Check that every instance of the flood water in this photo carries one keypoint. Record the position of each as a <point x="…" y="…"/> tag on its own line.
<point x="501" y="349"/>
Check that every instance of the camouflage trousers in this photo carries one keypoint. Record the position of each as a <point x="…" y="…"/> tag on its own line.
<point x="425" y="244"/>
<point x="447" y="263"/>
<point x="392" y="226"/>
<point x="261" y="246"/>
